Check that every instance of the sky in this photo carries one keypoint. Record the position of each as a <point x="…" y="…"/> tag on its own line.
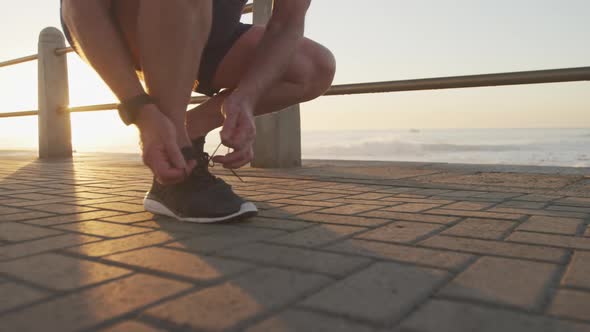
<point x="373" y="40"/>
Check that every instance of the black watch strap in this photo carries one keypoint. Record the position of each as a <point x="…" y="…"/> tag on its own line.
<point x="128" y="109"/>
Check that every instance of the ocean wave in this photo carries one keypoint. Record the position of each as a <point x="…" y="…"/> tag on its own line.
<point x="405" y="147"/>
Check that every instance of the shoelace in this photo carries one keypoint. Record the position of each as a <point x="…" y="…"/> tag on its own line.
<point x="212" y="163"/>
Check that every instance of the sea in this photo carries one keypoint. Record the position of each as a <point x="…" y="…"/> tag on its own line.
<point x="540" y="147"/>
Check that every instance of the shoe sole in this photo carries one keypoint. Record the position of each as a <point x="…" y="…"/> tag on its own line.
<point x="247" y="210"/>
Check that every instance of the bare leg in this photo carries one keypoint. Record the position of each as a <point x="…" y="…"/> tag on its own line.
<point x="168" y="43"/>
<point x="309" y="75"/>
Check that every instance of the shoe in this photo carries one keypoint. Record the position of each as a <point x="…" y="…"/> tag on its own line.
<point x="201" y="198"/>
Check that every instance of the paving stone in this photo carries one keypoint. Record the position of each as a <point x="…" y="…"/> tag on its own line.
<point x="307" y="201"/>
<point x="57" y="220"/>
<point x="268" y="197"/>
<point x="189" y="265"/>
<point x="571" y="304"/>
<point x="578" y="272"/>
<point x="105" y="229"/>
<point x="370" y="196"/>
<point x="344" y="220"/>
<point x="446" y="316"/>
<point x="108" y="247"/>
<point x="491" y="229"/>
<point x="126" y="207"/>
<point x="132" y="326"/>
<point x="303" y="259"/>
<point x="130" y="218"/>
<point x="294" y="320"/>
<point x="15" y="232"/>
<point x="90" y="307"/>
<point x="227" y="305"/>
<point x="43" y="245"/>
<point x="485" y="247"/>
<point x="319" y="197"/>
<point x="401" y="232"/>
<point x="344" y="200"/>
<point x="558" y="225"/>
<point x="24" y="216"/>
<point x="409" y="199"/>
<point x="318" y="235"/>
<point x="14" y="295"/>
<point x="477" y="214"/>
<point x="504" y="281"/>
<point x="428" y="257"/>
<point x="111" y="199"/>
<point x="411" y="217"/>
<point x="62" y="208"/>
<point x="287" y="211"/>
<point x="9" y="210"/>
<point x="61" y="272"/>
<point x="551" y="240"/>
<point x="45" y="202"/>
<point x="411" y="207"/>
<point x="522" y="205"/>
<point x="275" y="223"/>
<point x="574" y="201"/>
<point x="228" y="237"/>
<point x="88" y="195"/>
<point x="350" y="209"/>
<point x="170" y="225"/>
<point x="471" y="206"/>
<point x="538" y="212"/>
<point x="382" y="293"/>
<point x="538" y="198"/>
<point x="569" y="208"/>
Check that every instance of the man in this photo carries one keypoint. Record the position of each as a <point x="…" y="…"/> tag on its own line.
<point x="169" y="43"/>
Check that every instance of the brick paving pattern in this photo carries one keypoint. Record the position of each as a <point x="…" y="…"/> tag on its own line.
<point x="338" y="246"/>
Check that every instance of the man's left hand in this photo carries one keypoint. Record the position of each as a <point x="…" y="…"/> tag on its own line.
<point x="238" y="132"/>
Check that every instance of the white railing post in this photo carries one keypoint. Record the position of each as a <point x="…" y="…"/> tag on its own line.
<point x="278" y="138"/>
<point x="55" y="134"/>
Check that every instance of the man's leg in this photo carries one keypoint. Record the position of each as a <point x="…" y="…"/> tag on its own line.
<point x="309" y="75"/>
<point x="167" y="39"/>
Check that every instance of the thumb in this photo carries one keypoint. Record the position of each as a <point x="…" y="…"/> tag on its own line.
<point x="175" y="156"/>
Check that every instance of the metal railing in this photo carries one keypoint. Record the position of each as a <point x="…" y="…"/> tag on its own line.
<point x="52" y="49"/>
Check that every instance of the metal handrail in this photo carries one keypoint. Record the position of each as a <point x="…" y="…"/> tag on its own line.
<point x="452" y="82"/>
<point x="19" y="60"/>
<point x="470" y="81"/>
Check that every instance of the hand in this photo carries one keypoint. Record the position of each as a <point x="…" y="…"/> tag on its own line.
<point x="238" y="133"/>
<point x="160" y="152"/>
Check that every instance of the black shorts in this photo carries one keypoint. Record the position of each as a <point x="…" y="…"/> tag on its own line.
<point x="226" y="29"/>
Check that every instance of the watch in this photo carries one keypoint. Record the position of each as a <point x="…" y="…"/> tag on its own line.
<point x="128" y="109"/>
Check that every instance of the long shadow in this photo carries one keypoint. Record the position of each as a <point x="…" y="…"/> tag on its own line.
<point x="210" y="282"/>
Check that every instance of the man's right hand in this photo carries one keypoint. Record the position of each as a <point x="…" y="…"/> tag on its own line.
<point x="160" y="151"/>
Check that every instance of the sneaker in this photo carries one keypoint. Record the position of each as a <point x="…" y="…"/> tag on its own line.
<point x="201" y="198"/>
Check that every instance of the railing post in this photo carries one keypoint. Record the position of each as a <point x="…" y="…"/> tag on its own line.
<point x="278" y="138"/>
<point x="55" y="134"/>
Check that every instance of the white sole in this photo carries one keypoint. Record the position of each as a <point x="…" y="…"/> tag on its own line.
<point x="156" y="207"/>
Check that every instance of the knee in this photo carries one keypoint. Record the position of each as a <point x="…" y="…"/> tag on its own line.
<point x="71" y="10"/>
<point x="323" y="69"/>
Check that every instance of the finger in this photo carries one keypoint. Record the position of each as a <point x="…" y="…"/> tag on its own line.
<point x="175" y="157"/>
<point x="244" y="134"/>
<point x="244" y="160"/>
<point x="228" y="130"/>
<point x="235" y="159"/>
<point x="165" y="174"/>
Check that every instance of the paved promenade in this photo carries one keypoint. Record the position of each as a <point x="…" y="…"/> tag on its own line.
<point x="338" y="246"/>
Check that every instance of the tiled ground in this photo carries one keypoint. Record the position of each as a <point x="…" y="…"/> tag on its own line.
<point x="341" y="246"/>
